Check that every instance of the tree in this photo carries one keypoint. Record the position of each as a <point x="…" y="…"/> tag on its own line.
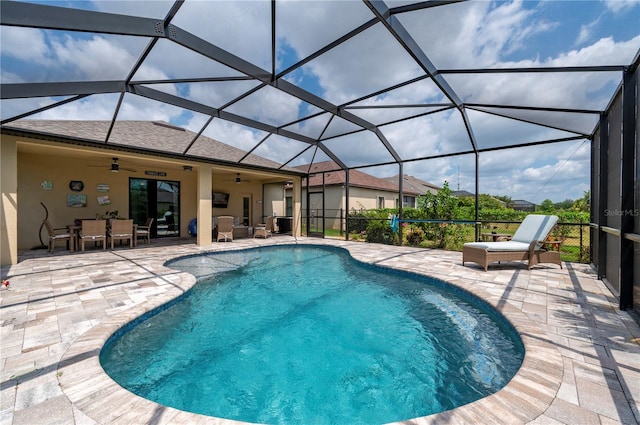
<point x="567" y="204"/>
<point x="547" y="206"/>
<point x="583" y="204"/>
<point x="489" y="202"/>
<point x="441" y="206"/>
<point x="508" y="202"/>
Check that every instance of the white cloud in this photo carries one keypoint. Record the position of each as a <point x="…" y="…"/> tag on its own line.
<point x="240" y="27"/>
<point x="95" y="58"/>
<point x="25" y="44"/>
<point x="618" y="6"/>
<point x="233" y="134"/>
<point x="99" y="107"/>
<point x="586" y="31"/>
<point x="467" y="34"/>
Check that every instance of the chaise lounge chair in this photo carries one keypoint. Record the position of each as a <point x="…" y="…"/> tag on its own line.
<point x="526" y="244"/>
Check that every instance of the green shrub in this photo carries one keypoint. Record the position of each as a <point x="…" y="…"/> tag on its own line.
<point x="414" y="236"/>
<point x="441" y="206"/>
<point x="379" y="231"/>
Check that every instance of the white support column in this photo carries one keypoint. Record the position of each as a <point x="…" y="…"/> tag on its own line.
<point x="204" y="205"/>
<point x="9" y="203"/>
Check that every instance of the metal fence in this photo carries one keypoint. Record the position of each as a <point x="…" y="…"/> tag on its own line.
<point x="571" y="239"/>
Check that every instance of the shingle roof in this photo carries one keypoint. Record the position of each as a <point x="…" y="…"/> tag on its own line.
<point x="412" y="184"/>
<point x="460" y="193"/>
<point x="334" y="176"/>
<point x="157" y="136"/>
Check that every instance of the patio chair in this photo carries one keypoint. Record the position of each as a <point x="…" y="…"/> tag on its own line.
<point x="145" y="231"/>
<point x="121" y="230"/>
<point x="528" y="243"/>
<point x="264" y="229"/>
<point x="59" y="234"/>
<point x="225" y="228"/>
<point x="94" y="231"/>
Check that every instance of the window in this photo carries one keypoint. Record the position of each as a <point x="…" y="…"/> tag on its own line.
<point x="380" y="202"/>
<point x="246" y="210"/>
<point x="288" y="212"/>
<point x="409" y="201"/>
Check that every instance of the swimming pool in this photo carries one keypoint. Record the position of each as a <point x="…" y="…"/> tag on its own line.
<point x="315" y="337"/>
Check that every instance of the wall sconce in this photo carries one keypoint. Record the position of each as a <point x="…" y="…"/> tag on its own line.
<point x="187" y="168"/>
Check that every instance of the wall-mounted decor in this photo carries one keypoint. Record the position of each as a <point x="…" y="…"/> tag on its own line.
<point x="47" y="185"/>
<point x="75" y="200"/>
<point x="102" y="187"/>
<point x="104" y="200"/>
<point x="76" y="185"/>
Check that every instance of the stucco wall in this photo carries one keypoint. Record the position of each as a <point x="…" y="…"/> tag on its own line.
<point x="34" y="169"/>
<point x="237" y="192"/>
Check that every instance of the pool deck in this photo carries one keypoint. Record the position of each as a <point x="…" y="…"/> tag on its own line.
<point x="582" y="362"/>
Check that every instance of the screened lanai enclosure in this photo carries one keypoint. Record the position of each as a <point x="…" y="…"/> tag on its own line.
<point x="535" y="100"/>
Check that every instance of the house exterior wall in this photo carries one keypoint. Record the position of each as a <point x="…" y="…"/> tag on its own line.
<point x="363" y="198"/>
<point x="60" y="164"/>
<point x="252" y="190"/>
<point x="335" y="200"/>
<point x="34" y="169"/>
<point x="41" y="171"/>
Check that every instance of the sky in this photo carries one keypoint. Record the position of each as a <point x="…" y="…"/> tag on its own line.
<point x="476" y="34"/>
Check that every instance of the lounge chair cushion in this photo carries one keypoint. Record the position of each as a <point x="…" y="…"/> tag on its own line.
<point x="507" y="246"/>
<point x="534" y="227"/>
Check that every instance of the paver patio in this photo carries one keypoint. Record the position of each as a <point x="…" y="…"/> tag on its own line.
<point x="582" y="363"/>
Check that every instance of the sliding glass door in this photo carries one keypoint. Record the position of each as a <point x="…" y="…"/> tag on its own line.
<point x="159" y="199"/>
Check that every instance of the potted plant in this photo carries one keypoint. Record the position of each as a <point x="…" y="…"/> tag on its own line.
<point x="112" y="215"/>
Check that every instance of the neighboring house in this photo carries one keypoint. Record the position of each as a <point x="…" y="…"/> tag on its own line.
<point x="465" y="194"/>
<point x="462" y="194"/>
<point x="412" y="186"/>
<point x="522" y="205"/>
<point x="365" y="192"/>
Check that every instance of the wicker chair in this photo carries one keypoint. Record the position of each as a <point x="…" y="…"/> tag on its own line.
<point x="527" y="244"/>
<point x="264" y="229"/>
<point x="59" y="234"/>
<point x="225" y="228"/>
<point x="94" y="231"/>
<point x="145" y="231"/>
<point x="121" y="230"/>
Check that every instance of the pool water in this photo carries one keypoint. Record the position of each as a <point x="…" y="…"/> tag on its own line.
<point x="307" y="335"/>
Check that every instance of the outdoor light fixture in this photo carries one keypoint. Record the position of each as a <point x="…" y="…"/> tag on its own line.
<point x="187" y="168"/>
<point x="115" y="167"/>
<point x="238" y="178"/>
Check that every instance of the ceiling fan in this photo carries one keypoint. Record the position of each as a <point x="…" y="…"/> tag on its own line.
<point x="115" y="166"/>
<point x="238" y="180"/>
